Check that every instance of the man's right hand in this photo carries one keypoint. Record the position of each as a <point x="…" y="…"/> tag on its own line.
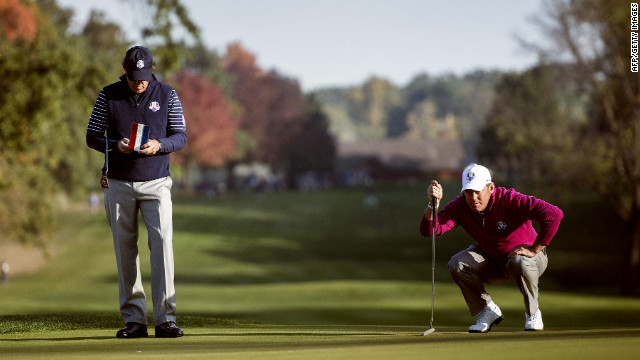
<point x="435" y="190"/>
<point x="123" y="146"/>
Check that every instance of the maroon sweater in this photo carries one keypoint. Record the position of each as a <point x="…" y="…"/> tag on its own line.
<point x="505" y="223"/>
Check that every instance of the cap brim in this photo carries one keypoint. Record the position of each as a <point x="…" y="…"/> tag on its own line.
<point x="139" y="75"/>
<point x="477" y="186"/>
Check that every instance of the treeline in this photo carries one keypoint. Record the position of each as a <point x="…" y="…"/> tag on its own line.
<point x="236" y="112"/>
<point x="447" y="106"/>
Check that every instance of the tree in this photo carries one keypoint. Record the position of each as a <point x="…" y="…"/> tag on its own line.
<point x="369" y="107"/>
<point x="460" y="103"/>
<point x="209" y="64"/>
<point x="595" y="37"/>
<point x="275" y="113"/>
<point x="18" y="20"/>
<point x="422" y="122"/>
<point x="210" y="125"/>
<point x="270" y="106"/>
<point x="159" y="30"/>
<point x="40" y="151"/>
<point x="531" y="126"/>
<point x="313" y="149"/>
<point x="102" y="34"/>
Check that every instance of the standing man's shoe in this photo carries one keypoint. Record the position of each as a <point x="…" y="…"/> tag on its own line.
<point x="132" y="330"/>
<point x="534" y="323"/>
<point x="489" y="316"/>
<point x="168" y="330"/>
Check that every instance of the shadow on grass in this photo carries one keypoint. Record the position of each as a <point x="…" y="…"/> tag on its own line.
<point x="554" y="319"/>
<point x="93" y="321"/>
<point x="325" y="227"/>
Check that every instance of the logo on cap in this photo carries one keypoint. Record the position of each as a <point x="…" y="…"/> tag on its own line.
<point x="140" y="64"/>
<point x="470" y="175"/>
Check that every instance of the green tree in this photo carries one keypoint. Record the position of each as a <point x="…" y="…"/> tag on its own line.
<point x="164" y="21"/>
<point x="422" y="122"/>
<point x="530" y="128"/>
<point x="335" y="105"/>
<point x="594" y="37"/>
<point x="102" y="34"/>
<point x="460" y="103"/>
<point x="44" y="106"/>
<point x="314" y="148"/>
<point x="209" y="64"/>
<point x="369" y="106"/>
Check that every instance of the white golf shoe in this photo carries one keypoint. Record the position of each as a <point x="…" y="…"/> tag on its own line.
<point x="489" y="316"/>
<point x="534" y="323"/>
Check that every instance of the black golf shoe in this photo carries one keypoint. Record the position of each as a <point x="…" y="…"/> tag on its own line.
<point x="168" y="330"/>
<point x="132" y="330"/>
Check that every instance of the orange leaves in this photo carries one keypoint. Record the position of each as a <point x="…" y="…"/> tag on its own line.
<point x="17" y="20"/>
<point x="211" y="129"/>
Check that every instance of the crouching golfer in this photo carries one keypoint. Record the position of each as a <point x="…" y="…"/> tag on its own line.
<point x="507" y="248"/>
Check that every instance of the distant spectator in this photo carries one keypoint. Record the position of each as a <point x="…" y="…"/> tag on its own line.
<point x="4" y="272"/>
<point x="94" y="201"/>
<point x="370" y="200"/>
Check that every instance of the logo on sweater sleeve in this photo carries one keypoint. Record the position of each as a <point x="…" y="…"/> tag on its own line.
<point x="154" y="106"/>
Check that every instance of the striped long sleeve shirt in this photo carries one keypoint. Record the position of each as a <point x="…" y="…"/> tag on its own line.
<point x="114" y="113"/>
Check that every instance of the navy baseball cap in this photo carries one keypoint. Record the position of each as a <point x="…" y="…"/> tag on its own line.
<point x="138" y="63"/>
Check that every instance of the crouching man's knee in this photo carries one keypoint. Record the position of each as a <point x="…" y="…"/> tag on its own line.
<point x="455" y="266"/>
<point x="519" y="265"/>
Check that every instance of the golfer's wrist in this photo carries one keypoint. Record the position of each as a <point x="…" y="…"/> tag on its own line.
<point x="536" y="247"/>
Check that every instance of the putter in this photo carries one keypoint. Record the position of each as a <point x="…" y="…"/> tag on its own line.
<point x="431" y="329"/>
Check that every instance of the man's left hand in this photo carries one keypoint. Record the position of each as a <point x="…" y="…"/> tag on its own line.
<point x="521" y="250"/>
<point x="526" y="250"/>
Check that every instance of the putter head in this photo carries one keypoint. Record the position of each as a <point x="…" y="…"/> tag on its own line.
<point x="428" y="331"/>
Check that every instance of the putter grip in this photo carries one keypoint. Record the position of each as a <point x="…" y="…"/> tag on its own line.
<point x="433" y="205"/>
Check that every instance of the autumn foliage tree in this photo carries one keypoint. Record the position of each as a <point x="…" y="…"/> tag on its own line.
<point x="277" y="115"/>
<point x="17" y="20"/>
<point x="270" y="108"/>
<point x="44" y="106"/>
<point x="211" y="128"/>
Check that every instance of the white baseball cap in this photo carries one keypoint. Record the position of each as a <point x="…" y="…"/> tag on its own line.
<point x="475" y="177"/>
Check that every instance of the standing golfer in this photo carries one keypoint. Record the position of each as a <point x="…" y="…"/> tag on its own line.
<point x="507" y="247"/>
<point x="139" y="181"/>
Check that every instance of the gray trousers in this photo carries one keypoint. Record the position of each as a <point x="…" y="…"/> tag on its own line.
<point x="123" y="200"/>
<point x="472" y="268"/>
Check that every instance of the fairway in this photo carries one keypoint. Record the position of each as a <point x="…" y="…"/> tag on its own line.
<point x="302" y="276"/>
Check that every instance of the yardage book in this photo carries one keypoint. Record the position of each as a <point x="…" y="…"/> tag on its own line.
<point x="139" y="136"/>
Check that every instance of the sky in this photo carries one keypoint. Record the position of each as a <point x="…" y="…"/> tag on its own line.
<point x="325" y="43"/>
